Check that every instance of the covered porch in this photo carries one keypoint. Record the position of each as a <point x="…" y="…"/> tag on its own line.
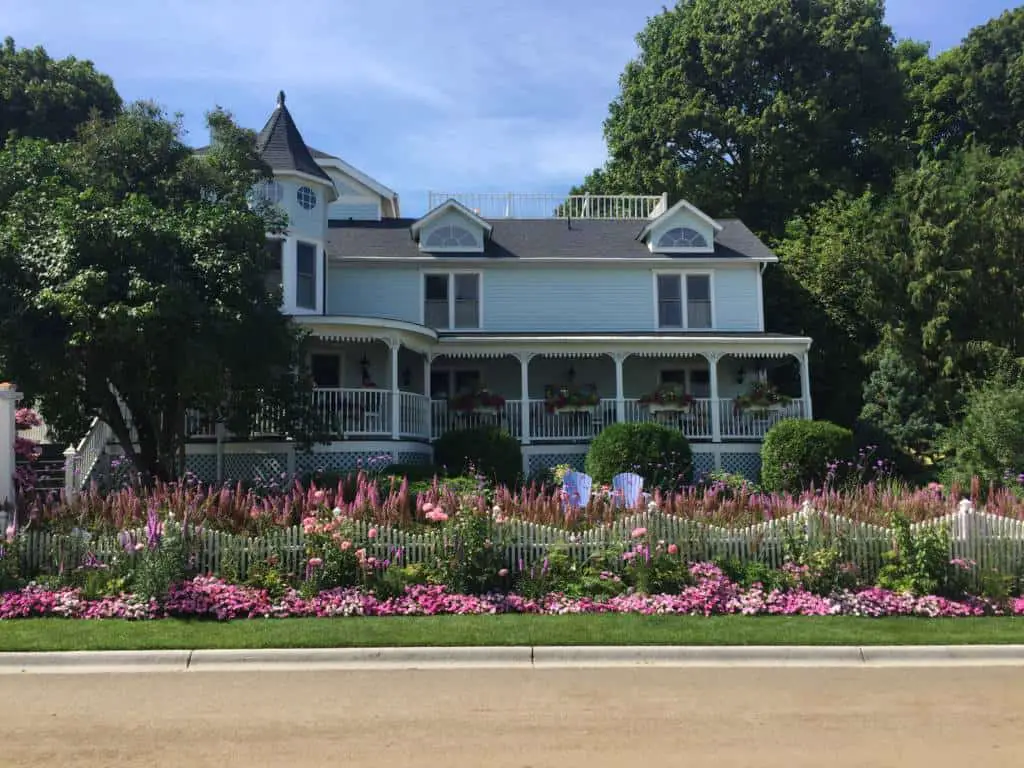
<point x="374" y="383"/>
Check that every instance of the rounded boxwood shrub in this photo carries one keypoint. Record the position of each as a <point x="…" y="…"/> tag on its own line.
<point x="487" y="451"/>
<point x="659" y="454"/>
<point x="797" y="453"/>
<point x="413" y="472"/>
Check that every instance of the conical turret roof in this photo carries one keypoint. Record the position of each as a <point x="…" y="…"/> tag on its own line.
<point x="281" y="146"/>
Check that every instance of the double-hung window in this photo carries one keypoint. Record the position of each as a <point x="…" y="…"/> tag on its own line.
<point x="305" y="276"/>
<point x="684" y="301"/>
<point x="451" y="300"/>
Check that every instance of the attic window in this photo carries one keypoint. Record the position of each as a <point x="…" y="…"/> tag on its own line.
<point x="682" y="237"/>
<point x="450" y="236"/>
<point x="306" y="198"/>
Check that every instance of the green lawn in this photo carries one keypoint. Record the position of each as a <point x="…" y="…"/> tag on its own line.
<point x="67" y="635"/>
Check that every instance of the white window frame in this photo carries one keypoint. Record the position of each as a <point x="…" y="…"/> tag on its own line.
<point x="477" y="246"/>
<point x="316" y="275"/>
<point x="314" y="198"/>
<point x="656" y="236"/>
<point x="681" y="248"/>
<point x="450" y="274"/>
<point x="682" y="275"/>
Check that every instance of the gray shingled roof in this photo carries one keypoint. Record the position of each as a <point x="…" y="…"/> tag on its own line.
<point x="537" y="238"/>
<point x="281" y="146"/>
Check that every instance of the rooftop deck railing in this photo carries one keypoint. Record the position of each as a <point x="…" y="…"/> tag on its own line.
<point x="517" y="205"/>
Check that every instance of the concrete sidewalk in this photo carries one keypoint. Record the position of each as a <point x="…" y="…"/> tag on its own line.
<point x="83" y="662"/>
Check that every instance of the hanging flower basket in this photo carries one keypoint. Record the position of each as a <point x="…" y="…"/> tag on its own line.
<point x="482" y="401"/>
<point x="571" y="401"/>
<point x="762" y="399"/>
<point x="668" y="398"/>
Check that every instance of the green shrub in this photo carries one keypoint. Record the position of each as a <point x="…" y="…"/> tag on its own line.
<point x="797" y="453"/>
<point x="486" y="451"/>
<point x="413" y="472"/>
<point x="659" y="454"/>
<point x="459" y="485"/>
<point x="989" y="442"/>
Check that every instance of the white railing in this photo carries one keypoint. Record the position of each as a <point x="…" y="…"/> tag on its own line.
<point x="695" y="423"/>
<point x="443" y="418"/>
<point x="89" y="451"/>
<point x="737" y="423"/>
<point x="354" y="411"/>
<point x="413" y="415"/>
<point x="573" y="423"/>
<point x="518" y="205"/>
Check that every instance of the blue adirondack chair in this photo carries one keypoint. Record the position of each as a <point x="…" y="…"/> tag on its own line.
<point x="576" y="486"/>
<point x="626" y="488"/>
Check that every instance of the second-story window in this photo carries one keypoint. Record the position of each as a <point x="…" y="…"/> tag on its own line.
<point x="305" y="276"/>
<point x="684" y="301"/>
<point x="452" y="300"/>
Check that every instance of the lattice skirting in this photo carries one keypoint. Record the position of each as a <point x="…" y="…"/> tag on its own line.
<point x="746" y="464"/>
<point x="416" y="457"/>
<point x="203" y="466"/>
<point x="342" y="462"/>
<point x="540" y="461"/>
<point x="703" y="463"/>
<point x="256" y="467"/>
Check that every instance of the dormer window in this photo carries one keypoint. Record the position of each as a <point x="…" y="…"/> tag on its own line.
<point x="306" y="198"/>
<point x="450" y="236"/>
<point x="682" y="237"/>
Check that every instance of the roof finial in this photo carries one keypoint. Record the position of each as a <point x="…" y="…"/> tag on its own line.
<point x="280" y="98"/>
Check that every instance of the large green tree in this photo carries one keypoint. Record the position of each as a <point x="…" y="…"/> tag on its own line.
<point x="133" y="284"/>
<point x="758" y="108"/>
<point x="975" y="91"/>
<point x="48" y="98"/>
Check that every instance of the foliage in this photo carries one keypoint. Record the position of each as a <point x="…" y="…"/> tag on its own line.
<point x="989" y="442"/>
<point x="570" y="397"/>
<point x="726" y="105"/>
<point x="919" y="563"/>
<point x="761" y="395"/>
<point x="25" y="451"/>
<point x="659" y="454"/>
<point x="46" y="98"/>
<point x="668" y="394"/>
<point x="470" y="558"/>
<point x="797" y="453"/>
<point x="468" y="401"/>
<point x="142" y="256"/>
<point x="973" y="92"/>
<point x="896" y="399"/>
<point x="488" y="451"/>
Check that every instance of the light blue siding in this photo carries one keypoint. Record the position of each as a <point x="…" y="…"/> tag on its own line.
<point x="584" y="299"/>
<point x="344" y="210"/>
<point x="390" y="293"/>
<point x="736" y="304"/>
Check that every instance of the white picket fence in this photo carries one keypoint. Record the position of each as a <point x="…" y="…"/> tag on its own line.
<point x="995" y="543"/>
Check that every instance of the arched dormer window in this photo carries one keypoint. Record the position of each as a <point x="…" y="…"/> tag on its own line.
<point x="450" y="236"/>
<point x="682" y="237"/>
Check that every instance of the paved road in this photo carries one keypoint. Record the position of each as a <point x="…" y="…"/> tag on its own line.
<point x="519" y="718"/>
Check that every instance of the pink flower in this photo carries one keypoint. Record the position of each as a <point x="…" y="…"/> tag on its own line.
<point x="503" y="572"/>
<point x="318" y="496"/>
<point x="427" y="507"/>
<point x="639" y="533"/>
<point x="346" y="545"/>
<point x="436" y="516"/>
<point x="315" y="562"/>
<point x="673" y="549"/>
<point x="10" y="533"/>
<point x="254" y="513"/>
<point x="372" y="533"/>
<point x="360" y="554"/>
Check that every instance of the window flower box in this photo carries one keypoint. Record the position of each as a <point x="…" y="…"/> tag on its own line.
<point x="668" y="398"/>
<point x="481" y="402"/>
<point x="762" y="400"/>
<point x="567" y="401"/>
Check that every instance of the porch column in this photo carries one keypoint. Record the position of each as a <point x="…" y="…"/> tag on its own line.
<point x="716" y="405"/>
<point x="394" y="345"/>
<point x="9" y="398"/>
<point x="524" y="365"/>
<point x="427" y="360"/>
<point x="620" y="401"/>
<point x="805" y="385"/>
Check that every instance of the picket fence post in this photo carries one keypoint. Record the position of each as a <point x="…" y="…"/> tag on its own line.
<point x="9" y="398"/>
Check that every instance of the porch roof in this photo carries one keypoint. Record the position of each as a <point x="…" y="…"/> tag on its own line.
<point x="641" y="343"/>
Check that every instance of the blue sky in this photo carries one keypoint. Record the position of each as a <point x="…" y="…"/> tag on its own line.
<point x="450" y="95"/>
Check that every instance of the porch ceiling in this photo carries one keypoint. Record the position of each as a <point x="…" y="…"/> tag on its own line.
<point x="638" y="344"/>
<point x="419" y="338"/>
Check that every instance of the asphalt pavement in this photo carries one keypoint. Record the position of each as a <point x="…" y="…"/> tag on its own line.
<point x="519" y="717"/>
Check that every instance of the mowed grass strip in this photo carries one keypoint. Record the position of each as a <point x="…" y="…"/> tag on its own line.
<point x="111" y="634"/>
